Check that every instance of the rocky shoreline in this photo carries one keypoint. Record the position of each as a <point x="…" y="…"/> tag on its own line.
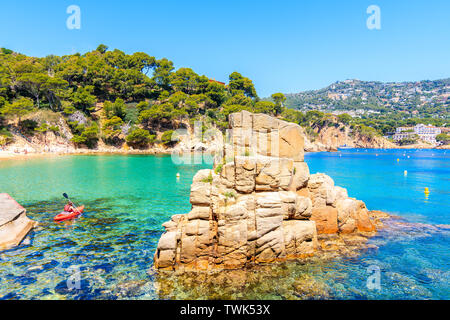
<point x="51" y="144"/>
<point x="24" y="153"/>
<point x="315" y="277"/>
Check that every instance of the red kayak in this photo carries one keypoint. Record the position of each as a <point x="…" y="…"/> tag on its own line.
<point x="63" y="216"/>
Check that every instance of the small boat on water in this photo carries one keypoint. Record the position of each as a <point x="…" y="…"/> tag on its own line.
<point x="345" y="146"/>
<point x="63" y="216"/>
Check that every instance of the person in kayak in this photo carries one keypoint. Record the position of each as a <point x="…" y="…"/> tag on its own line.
<point x="69" y="207"/>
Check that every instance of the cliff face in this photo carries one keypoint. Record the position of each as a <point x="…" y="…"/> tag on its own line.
<point x="259" y="205"/>
<point x="331" y="138"/>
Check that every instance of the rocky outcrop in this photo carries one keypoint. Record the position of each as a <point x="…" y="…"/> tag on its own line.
<point x="330" y="138"/>
<point x="259" y="205"/>
<point x="14" y="223"/>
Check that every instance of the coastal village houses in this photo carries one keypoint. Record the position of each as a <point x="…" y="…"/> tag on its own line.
<point x="426" y="133"/>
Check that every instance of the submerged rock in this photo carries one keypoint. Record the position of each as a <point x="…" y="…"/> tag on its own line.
<point x="262" y="205"/>
<point x="130" y="288"/>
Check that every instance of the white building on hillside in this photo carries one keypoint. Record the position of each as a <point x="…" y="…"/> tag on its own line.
<point x="426" y="133"/>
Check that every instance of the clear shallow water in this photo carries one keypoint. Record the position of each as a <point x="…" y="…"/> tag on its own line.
<point x="129" y="197"/>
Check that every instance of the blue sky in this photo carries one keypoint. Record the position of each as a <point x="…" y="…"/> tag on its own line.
<point x="283" y="46"/>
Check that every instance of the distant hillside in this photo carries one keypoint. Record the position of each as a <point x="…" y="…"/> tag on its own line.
<point x="424" y="99"/>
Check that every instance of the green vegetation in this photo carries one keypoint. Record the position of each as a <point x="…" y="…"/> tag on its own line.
<point x="140" y="138"/>
<point x="103" y="93"/>
<point x="444" y="138"/>
<point x="368" y="126"/>
<point x="208" y="179"/>
<point x="412" y="139"/>
<point x="18" y="108"/>
<point x="5" y="137"/>
<point x="110" y="95"/>
<point x="375" y="105"/>
<point x="42" y="128"/>
<point x="87" y="136"/>
<point x="422" y="99"/>
<point x="218" y="169"/>
<point x="230" y="194"/>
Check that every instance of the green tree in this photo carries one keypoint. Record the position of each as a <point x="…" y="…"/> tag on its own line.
<point x="264" y="107"/>
<point x="84" y="100"/>
<point x="140" y="138"/>
<point x="186" y="80"/>
<point x="344" y="118"/>
<point x="216" y="92"/>
<point x="88" y="136"/>
<point x="279" y="100"/>
<point x="240" y="99"/>
<point x="143" y="105"/>
<point x="238" y="83"/>
<point x="168" y="138"/>
<point x="294" y="116"/>
<point x="34" y="84"/>
<point x="162" y="73"/>
<point x="102" y="48"/>
<point x="18" y="108"/>
<point x="6" y="51"/>
<point x="116" y="109"/>
<point x="50" y="64"/>
<point x="232" y="108"/>
<point x="54" y="89"/>
<point x="444" y="138"/>
<point x="112" y="129"/>
<point x="142" y="62"/>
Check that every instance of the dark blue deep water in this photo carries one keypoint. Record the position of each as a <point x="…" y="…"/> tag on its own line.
<point x="110" y="248"/>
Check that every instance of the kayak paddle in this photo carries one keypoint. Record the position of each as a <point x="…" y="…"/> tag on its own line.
<point x="67" y="197"/>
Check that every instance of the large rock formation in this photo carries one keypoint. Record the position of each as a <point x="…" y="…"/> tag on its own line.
<point x="14" y="223"/>
<point x="260" y="204"/>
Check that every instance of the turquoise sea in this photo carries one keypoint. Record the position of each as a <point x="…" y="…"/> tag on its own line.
<point x="110" y="248"/>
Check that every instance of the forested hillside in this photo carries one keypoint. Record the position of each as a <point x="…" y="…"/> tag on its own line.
<point x="136" y="100"/>
<point x="116" y="97"/>
<point x="423" y="99"/>
<point x="379" y="107"/>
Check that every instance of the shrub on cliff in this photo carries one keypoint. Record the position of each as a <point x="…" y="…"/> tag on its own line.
<point x="140" y="138"/>
<point x="366" y="131"/>
<point x="87" y="136"/>
<point x="294" y="116"/>
<point x="28" y="126"/>
<point x="5" y="137"/>
<point x="44" y="127"/>
<point x="169" y="138"/>
<point x="116" y="109"/>
<point x="410" y="140"/>
<point x="112" y="130"/>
